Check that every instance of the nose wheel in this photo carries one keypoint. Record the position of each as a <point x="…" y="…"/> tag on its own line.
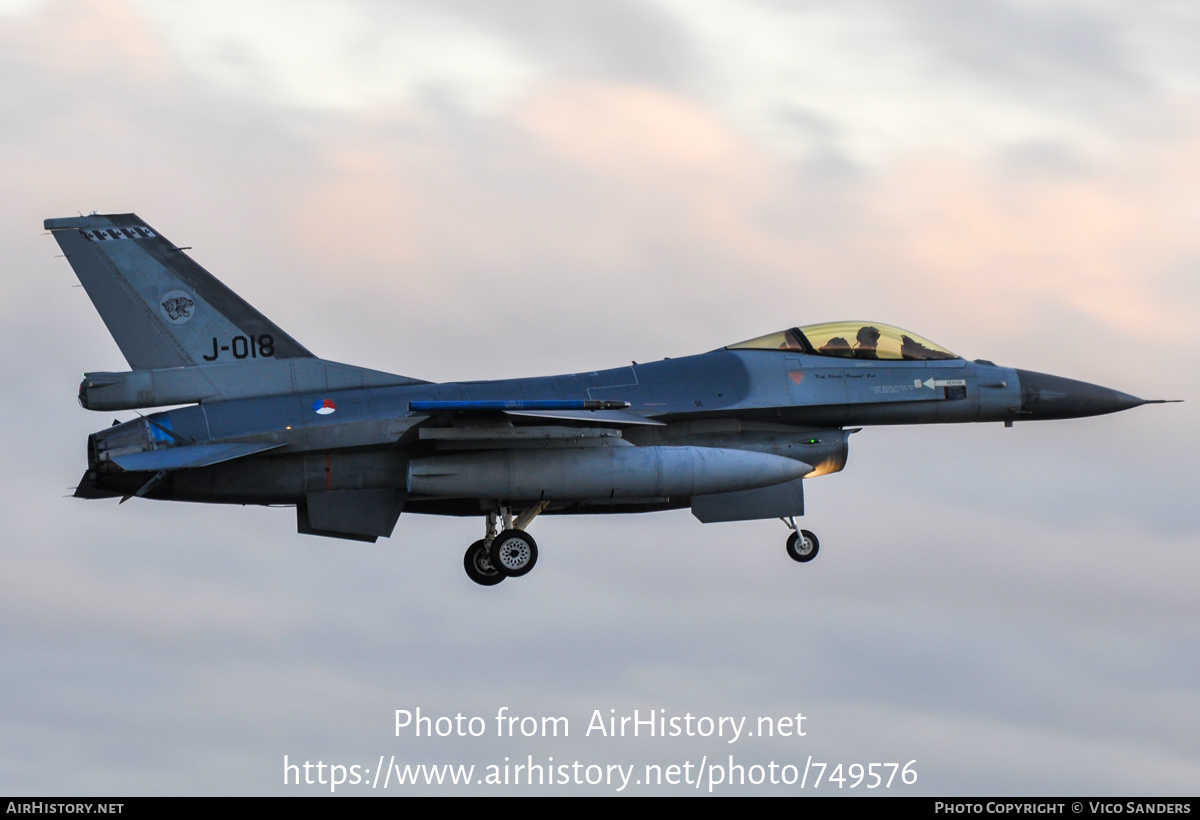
<point x="802" y="545"/>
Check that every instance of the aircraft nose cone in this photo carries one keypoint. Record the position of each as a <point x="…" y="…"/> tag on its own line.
<point x="1053" y="397"/>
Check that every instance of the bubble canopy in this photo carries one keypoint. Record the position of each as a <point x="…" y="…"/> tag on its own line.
<point x="851" y="340"/>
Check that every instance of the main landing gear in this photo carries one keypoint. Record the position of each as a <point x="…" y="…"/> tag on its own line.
<point x="802" y="545"/>
<point x="508" y="554"/>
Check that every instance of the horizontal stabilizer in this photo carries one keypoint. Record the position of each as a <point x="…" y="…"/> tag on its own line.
<point x="222" y="382"/>
<point x="191" y="456"/>
<point x="87" y="488"/>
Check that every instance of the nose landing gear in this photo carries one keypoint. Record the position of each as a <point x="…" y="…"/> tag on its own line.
<point x="802" y="545"/>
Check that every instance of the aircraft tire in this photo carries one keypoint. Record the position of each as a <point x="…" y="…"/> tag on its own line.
<point x="479" y="566"/>
<point x="802" y="546"/>
<point x="514" y="552"/>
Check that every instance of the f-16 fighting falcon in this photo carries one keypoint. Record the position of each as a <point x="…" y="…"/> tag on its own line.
<point x="732" y="433"/>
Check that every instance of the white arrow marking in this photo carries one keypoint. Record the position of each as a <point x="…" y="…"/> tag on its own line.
<point x="932" y="383"/>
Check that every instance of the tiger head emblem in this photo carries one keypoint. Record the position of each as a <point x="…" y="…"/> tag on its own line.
<point x="177" y="307"/>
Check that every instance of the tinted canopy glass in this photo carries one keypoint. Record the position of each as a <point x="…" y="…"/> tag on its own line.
<point x="851" y="340"/>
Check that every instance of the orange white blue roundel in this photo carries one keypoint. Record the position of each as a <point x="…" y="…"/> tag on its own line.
<point x="323" y="407"/>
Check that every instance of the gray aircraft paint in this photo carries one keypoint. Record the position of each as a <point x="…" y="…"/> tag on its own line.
<point x="135" y="277"/>
<point x="730" y="433"/>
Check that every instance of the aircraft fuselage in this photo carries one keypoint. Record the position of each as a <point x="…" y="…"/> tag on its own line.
<point x="732" y="433"/>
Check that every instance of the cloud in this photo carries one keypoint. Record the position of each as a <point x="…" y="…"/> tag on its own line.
<point x="488" y="190"/>
<point x="342" y="56"/>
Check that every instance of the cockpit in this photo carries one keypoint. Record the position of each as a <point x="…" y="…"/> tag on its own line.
<point x="851" y="340"/>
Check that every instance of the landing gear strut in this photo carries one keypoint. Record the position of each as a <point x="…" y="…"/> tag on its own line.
<point x="802" y="545"/>
<point x="511" y="553"/>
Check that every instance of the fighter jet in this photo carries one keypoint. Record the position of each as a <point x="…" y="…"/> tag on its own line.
<point x="731" y="434"/>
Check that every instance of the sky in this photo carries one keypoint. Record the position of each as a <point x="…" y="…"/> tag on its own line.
<point x="484" y="190"/>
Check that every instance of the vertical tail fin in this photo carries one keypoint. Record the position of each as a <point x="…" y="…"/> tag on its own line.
<point x="162" y="308"/>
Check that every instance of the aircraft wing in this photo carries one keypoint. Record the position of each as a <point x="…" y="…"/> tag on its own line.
<point x="614" y="417"/>
<point x="500" y="437"/>
<point x="589" y="410"/>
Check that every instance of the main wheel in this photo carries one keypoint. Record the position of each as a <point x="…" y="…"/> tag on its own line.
<point x="479" y="565"/>
<point x="514" y="552"/>
<point x="802" y="546"/>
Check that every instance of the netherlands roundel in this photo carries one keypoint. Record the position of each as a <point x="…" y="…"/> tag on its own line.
<point x="323" y="407"/>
